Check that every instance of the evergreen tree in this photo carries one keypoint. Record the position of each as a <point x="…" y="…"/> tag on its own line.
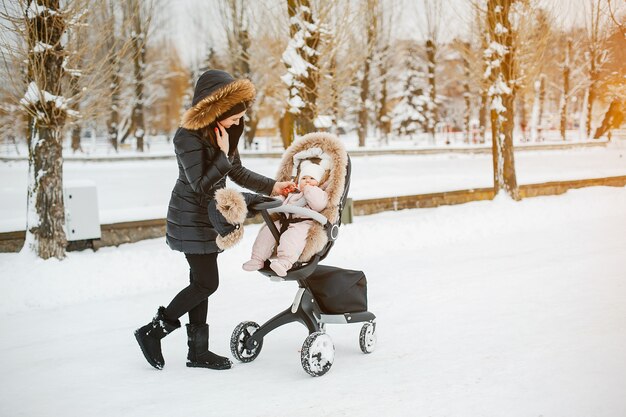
<point x="408" y="115"/>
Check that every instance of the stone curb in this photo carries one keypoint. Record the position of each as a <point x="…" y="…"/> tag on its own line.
<point x="134" y="231"/>
<point x="353" y="152"/>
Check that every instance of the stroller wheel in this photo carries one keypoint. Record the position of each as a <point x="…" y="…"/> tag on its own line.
<point x="367" y="337"/>
<point x="318" y="354"/>
<point x="240" y="335"/>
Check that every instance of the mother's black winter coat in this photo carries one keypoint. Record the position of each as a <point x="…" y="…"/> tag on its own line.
<point x="203" y="168"/>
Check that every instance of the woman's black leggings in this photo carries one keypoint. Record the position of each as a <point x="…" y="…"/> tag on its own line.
<point x="203" y="281"/>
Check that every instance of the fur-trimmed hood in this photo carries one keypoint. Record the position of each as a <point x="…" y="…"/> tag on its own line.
<point x="216" y="92"/>
<point x="331" y="147"/>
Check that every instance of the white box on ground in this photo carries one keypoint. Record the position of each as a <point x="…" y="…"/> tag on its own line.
<point x="81" y="210"/>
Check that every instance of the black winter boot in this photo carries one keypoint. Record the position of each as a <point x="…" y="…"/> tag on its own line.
<point x="149" y="337"/>
<point x="199" y="354"/>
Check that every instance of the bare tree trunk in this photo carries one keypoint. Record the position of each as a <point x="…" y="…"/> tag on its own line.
<point x="467" y="94"/>
<point x="484" y="99"/>
<point x="46" y="210"/>
<point x="523" y="119"/>
<point x="74" y="85"/>
<point x="287" y="121"/>
<point x="613" y="118"/>
<point x="251" y="129"/>
<point x="304" y="123"/>
<point x="244" y="65"/>
<point x="537" y="116"/>
<point x="596" y="49"/>
<point x="432" y="12"/>
<point x="583" y="115"/>
<point x="565" y="92"/>
<point x="432" y="111"/>
<point x="383" y="120"/>
<point x="362" y="128"/>
<point x="46" y="213"/>
<point x="300" y="13"/>
<point x="334" y="91"/>
<point x="253" y="122"/>
<point x="139" y="57"/>
<point x="482" y="115"/>
<point x="115" y="69"/>
<point x="542" y="102"/>
<point x="114" y="115"/>
<point x="500" y="56"/>
<point x="593" y="81"/>
<point x="76" y="129"/>
<point x="287" y="133"/>
<point x="383" y="117"/>
<point x="371" y="23"/>
<point x="30" y="131"/>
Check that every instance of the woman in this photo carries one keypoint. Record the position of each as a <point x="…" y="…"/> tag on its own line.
<point x="206" y="151"/>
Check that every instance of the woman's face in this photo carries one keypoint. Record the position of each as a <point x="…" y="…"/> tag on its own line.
<point x="232" y="120"/>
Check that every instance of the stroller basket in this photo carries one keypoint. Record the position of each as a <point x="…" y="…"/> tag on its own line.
<point x="337" y="290"/>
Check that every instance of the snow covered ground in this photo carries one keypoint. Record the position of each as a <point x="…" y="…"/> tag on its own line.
<point x="139" y="190"/>
<point x="491" y="308"/>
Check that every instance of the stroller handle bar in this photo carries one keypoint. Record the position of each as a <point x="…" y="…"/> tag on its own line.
<point x="275" y="206"/>
<point x="267" y="204"/>
<point x="300" y="211"/>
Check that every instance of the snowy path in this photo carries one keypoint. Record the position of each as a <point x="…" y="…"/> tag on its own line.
<point x="141" y="190"/>
<point x="484" y="309"/>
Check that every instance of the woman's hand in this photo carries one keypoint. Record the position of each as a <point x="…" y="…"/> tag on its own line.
<point x="282" y="187"/>
<point x="222" y="138"/>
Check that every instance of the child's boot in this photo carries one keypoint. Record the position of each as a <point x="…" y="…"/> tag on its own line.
<point x="253" y="265"/>
<point x="280" y="266"/>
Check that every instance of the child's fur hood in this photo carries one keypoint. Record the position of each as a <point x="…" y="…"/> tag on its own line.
<point x="333" y="184"/>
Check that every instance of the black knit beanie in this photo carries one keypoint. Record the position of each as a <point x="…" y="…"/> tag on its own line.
<point x="236" y="109"/>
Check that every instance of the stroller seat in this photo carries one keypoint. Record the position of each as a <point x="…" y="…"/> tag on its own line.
<point x="326" y="294"/>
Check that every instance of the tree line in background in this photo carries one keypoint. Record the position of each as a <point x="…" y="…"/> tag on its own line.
<point x="338" y="65"/>
<point x="109" y="66"/>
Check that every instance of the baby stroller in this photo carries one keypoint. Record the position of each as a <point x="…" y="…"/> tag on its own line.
<point x="326" y="294"/>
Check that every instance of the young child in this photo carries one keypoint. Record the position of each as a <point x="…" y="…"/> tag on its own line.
<point x="293" y="240"/>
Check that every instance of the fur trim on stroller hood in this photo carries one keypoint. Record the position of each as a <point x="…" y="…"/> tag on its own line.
<point x="216" y="92"/>
<point x="331" y="151"/>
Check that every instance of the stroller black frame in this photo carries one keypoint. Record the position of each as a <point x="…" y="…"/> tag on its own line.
<point x="246" y="345"/>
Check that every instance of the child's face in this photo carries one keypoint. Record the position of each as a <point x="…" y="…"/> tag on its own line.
<point x="306" y="180"/>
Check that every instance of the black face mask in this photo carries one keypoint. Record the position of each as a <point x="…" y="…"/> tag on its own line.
<point x="234" y="133"/>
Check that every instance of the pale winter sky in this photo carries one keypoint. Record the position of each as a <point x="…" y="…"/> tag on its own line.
<point x="186" y="17"/>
